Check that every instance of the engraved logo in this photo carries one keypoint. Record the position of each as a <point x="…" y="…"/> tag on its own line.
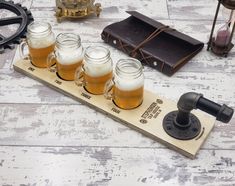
<point x="116" y="110"/>
<point x="143" y="121"/>
<point x="58" y="82"/>
<point x="159" y="101"/>
<point x="86" y="96"/>
<point x="31" y="69"/>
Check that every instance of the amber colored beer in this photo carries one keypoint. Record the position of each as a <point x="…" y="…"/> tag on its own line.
<point x="128" y="99"/>
<point x="67" y="71"/>
<point x="98" y="69"/>
<point x="96" y="84"/>
<point x="127" y="87"/>
<point x="68" y="55"/>
<point x="39" y="55"/>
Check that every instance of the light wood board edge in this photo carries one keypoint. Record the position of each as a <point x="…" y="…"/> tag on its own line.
<point x="187" y="153"/>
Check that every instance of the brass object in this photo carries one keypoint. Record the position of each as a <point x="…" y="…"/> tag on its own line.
<point x="76" y="8"/>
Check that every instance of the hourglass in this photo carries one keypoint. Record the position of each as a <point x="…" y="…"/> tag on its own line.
<point x="220" y="43"/>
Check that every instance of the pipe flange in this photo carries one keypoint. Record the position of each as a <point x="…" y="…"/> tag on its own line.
<point x="171" y="128"/>
<point x="22" y="17"/>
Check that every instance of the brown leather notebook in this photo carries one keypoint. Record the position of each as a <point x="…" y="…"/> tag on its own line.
<point x="151" y="42"/>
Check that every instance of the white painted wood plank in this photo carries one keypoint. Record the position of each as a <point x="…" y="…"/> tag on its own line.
<point x="113" y="166"/>
<point x="79" y="125"/>
<point x="6" y="58"/>
<point x="26" y="3"/>
<point x="117" y="9"/>
<point x="193" y="10"/>
<point x="63" y="124"/>
<point x="43" y="4"/>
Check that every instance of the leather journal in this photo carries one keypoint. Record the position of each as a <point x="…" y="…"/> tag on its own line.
<point x="152" y="42"/>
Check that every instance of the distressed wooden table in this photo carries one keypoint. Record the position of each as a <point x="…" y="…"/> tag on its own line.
<point x="47" y="138"/>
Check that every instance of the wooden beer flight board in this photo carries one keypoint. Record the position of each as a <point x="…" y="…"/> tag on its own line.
<point x="147" y="118"/>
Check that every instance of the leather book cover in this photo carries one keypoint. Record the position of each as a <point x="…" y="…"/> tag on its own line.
<point x="151" y="42"/>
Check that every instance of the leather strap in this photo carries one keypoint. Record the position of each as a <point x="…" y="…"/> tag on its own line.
<point x="149" y="38"/>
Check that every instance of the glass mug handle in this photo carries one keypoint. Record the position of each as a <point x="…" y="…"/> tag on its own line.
<point x="108" y="93"/>
<point x="24" y="56"/>
<point x="79" y="76"/>
<point x="50" y="62"/>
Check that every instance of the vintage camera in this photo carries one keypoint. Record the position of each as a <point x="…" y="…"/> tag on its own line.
<point x="76" y="9"/>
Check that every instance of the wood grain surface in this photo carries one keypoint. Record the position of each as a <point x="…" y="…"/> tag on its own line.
<point x="49" y="139"/>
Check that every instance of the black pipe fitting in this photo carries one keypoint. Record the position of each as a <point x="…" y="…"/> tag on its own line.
<point x="222" y="113"/>
<point x="186" y="104"/>
<point x="182" y="124"/>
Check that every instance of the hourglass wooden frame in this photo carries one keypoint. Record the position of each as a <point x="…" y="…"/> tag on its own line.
<point x="222" y="51"/>
<point x="146" y="119"/>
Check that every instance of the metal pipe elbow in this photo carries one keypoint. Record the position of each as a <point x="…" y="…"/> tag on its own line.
<point x="188" y="101"/>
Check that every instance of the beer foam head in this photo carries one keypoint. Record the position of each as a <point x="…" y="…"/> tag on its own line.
<point x="129" y="84"/>
<point x="97" y="61"/>
<point x="67" y="57"/>
<point x="128" y="74"/>
<point x="68" y="48"/>
<point x="40" y="35"/>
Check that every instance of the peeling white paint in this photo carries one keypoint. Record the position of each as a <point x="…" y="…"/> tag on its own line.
<point x="49" y="139"/>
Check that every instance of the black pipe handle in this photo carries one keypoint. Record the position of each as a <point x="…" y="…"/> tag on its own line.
<point x="222" y="113"/>
<point x="192" y="100"/>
